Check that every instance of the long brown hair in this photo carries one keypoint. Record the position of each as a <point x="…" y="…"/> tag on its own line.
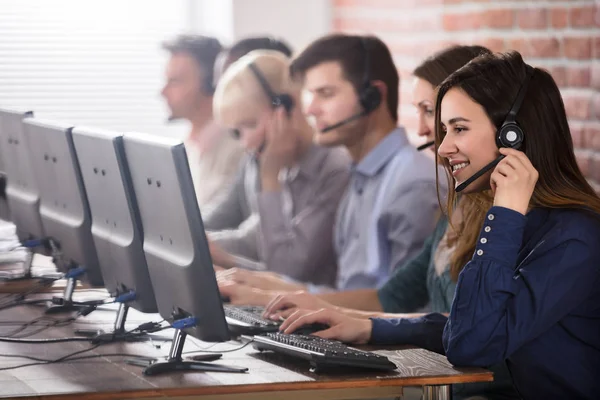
<point x="435" y="69"/>
<point x="493" y="82"/>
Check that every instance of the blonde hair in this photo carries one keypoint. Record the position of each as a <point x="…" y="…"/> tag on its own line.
<point x="239" y="87"/>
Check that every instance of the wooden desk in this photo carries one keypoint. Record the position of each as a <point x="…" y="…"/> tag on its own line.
<point x="270" y="375"/>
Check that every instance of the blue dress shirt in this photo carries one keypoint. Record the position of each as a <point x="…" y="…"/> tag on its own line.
<point x="389" y="209"/>
<point x="530" y="296"/>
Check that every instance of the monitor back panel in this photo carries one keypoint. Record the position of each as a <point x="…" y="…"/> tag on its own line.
<point x="64" y="208"/>
<point x="174" y="241"/>
<point x="22" y="193"/>
<point x="116" y="225"/>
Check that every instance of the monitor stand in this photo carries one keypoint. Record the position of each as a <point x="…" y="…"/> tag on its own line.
<point x="118" y="334"/>
<point x="65" y="303"/>
<point x="176" y="363"/>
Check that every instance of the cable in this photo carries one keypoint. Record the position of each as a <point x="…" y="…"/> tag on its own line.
<point x="70" y="357"/>
<point x="219" y="351"/>
<point x="61" y="359"/>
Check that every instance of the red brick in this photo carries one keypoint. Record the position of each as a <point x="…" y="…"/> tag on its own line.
<point x="594" y="168"/>
<point x="584" y="161"/>
<point x="559" y="17"/>
<point x="578" y="76"/>
<point x="559" y="74"/>
<point x="462" y="21"/>
<point x="502" y="18"/>
<point x="378" y="4"/>
<point x="595" y="111"/>
<point x="578" y="105"/>
<point x="532" y="18"/>
<point x="583" y="17"/>
<point x="596" y="45"/>
<point x="592" y="137"/>
<point x="536" y="47"/>
<point x="577" y="48"/>
<point x="493" y="44"/>
<point x="424" y="23"/>
<point x="463" y="1"/>
<point x="595" y="76"/>
<point x="578" y="134"/>
<point x="414" y="48"/>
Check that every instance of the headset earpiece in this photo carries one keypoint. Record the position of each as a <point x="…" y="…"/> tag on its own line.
<point x="370" y="98"/>
<point x="510" y="135"/>
<point x="277" y="99"/>
<point x="283" y="100"/>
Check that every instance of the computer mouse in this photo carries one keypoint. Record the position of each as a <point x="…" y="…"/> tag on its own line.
<point x="310" y="329"/>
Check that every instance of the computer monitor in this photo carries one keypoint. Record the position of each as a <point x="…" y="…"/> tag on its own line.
<point x="176" y="247"/>
<point x="64" y="206"/>
<point x="116" y="224"/>
<point x="22" y="193"/>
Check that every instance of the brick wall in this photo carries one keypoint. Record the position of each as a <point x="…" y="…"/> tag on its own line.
<point x="561" y="36"/>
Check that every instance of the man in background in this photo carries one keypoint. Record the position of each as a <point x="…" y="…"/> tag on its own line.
<point x="214" y="156"/>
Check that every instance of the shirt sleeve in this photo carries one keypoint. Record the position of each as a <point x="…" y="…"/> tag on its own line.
<point x="242" y="241"/>
<point x="226" y="212"/>
<point x="406" y="290"/>
<point x="291" y="244"/>
<point x="424" y="332"/>
<point x="499" y="305"/>
<point x="411" y="221"/>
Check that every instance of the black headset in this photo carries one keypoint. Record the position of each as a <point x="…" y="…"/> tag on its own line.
<point x="277" y="99"/>
<point x="369" y="95"/>
<point x="510" y="133"/>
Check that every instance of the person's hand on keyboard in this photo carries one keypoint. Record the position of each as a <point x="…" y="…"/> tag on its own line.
<point x="284" y="305"/>
<point x="265" y="280"/>
<point x="243" y="295"/>
<point x="341" y="327"/>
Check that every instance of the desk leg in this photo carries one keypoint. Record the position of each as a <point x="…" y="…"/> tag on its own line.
<point x="437" y="392"/>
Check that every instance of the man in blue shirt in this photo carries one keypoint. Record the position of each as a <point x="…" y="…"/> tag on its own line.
<point x="391" y="204"/>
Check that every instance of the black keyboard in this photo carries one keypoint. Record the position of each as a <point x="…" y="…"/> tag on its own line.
<point x="322" y="353"/>
<point x="248" y="320"/>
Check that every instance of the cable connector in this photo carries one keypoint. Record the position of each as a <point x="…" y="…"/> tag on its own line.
<point x="184" y="323"/>
<point x="30" y="244"/>
<point x="88" y="310"/>
<point x="149" y="327"/>
<point x="126" y="297"/>
<point x="75" y="272"/>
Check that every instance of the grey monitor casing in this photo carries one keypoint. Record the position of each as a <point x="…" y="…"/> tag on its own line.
<point x="22" y="192"/>
<point x="64" y="208"/>
<point x="175" y="244"/>
<point x="116" y="225"/>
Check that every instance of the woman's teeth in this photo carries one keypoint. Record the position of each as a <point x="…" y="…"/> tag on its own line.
<point x="456" y="167"/>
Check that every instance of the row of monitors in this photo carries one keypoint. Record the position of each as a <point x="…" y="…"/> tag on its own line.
<point x="121" y="206"/>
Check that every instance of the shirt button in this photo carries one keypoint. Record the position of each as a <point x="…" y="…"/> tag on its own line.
<point x="483" y="240"/>
<point x="479" y="252"/>
<point x="487" y="229"/>
<point x="491" y="217"/>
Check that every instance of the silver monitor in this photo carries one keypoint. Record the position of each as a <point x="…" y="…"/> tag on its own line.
<point x="22" y="193"/>
<point x="175" y="244"/>
<point x="64" y="207"/>
<point x="116" y="225"/>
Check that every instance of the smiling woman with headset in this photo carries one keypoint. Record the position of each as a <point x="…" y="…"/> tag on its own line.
<point x="530" y="294"/>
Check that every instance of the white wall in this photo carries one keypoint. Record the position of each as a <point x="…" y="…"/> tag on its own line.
<point x="92" y="62"/>
<point x="297" y="21"/>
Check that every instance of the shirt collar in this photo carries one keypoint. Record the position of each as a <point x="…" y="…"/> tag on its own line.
<point x="381" y="154"/>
